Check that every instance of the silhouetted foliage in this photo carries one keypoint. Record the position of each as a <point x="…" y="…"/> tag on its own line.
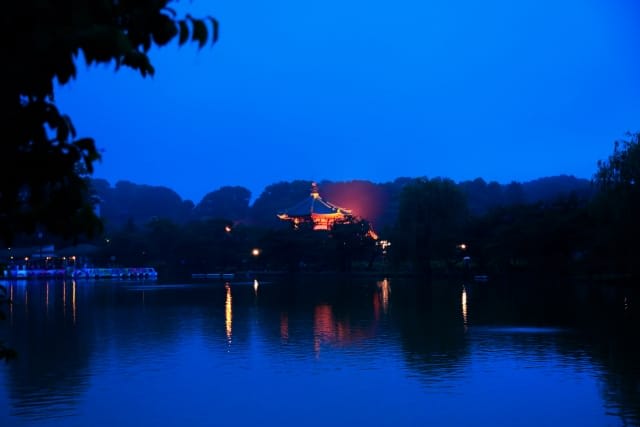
<point x="351" y="243"/>
<point x="560" y="233"/>
<point x="551" y="188"/>
<point x="5" y="352"/>
<point x="43" y="163"/>
<point x="616" y="208"/>
<point x="276" y="198"/>
<point x="544" y="237"/>
<point x="226" y="202"/>
<point x="430" y="222"/>
<point x="139" y="203"/>
<point x="483" y="197"/>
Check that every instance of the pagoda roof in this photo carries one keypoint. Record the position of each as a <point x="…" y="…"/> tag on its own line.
<point x="314" y="205"/>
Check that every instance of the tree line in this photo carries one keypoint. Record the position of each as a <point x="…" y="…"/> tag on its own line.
<point x="562" y="224"/>
<point x="377" y="202"/>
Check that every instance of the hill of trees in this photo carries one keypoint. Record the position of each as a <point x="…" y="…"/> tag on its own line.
<point x="560" y="224"/>
<point x="127" y="202"/>
<point x="505" y="226"/>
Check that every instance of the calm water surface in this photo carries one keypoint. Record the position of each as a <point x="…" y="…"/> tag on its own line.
<point x="320" y="352"/>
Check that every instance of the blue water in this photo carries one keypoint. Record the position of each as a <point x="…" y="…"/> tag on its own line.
<point x="318" y="352"/>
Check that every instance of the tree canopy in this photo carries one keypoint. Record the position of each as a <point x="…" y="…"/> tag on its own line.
<point x="621" y="172"/>
<point x="617" y="205"/>
<point x="43" y="162"/>
<point x="227" y="202"/>
<point x="430" y="221"/>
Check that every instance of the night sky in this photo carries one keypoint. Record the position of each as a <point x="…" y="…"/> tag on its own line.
<point x="357" y="89"/>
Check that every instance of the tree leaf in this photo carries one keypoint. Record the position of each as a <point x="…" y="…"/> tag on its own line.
<point x="199" y="32"/>
<point x="184" y="32"/>
<point x="164" y="30"/>
<point x="215" y="25"/>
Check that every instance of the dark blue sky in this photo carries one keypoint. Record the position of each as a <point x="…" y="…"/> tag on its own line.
<point x="358" y="89"/>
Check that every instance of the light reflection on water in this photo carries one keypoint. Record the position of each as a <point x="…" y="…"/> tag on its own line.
<point x="136" y="353"/>
<point x="228" y="315"/>
<point x="465" y="315"/>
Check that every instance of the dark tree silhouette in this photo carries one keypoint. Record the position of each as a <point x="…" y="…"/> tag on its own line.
<point x="430" y="222"/>
<point x="275" y="198"/>
<point x="5" y="352"/>
<point x="139" y="203"/>
<point x="227" y="202"/>
<point x="43" y="164"/>
<point x="617" y="207"/>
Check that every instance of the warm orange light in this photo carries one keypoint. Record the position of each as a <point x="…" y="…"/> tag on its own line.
<point x="227" y="312"/>
<point x="255" y="252"/>
<point x="464" y="307"/>
<point x="385" y="290"/>
<point x="73" y="300"/>
<point x="227" y="229"/>
<point x="284" y="326"/>
<point x="323" y="327"/>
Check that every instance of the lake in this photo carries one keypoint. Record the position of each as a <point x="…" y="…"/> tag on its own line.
<point x="321" y="351"/>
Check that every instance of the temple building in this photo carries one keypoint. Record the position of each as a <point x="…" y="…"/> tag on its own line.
<point x="316" y="212"/>
<point x="320" y="214"/>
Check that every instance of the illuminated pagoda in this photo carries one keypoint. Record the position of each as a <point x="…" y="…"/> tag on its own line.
<point x="316" y="211"/>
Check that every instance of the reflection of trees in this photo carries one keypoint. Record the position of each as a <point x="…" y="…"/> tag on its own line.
<point x="59" y="330"/>
<point x="5" y="302"/>
<point x="592" y="325"/>
<point x="431" y="327"/>
<point x="53" y="350"/>
<point x="614" y="346"/>
<point x="300" y="320"/>
<point x="313" y="313"/>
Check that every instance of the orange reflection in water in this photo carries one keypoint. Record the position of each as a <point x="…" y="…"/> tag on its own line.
<point x="323" y="326"/>
<point x="464" y="307"/>
<point x="227" y="312"/>
<point x="284" y="326"/>
<point x="64" y="299"/>
<point x="329" y="330"/>
<point x="385" y="289"/>
<point x="73" y="300"/>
